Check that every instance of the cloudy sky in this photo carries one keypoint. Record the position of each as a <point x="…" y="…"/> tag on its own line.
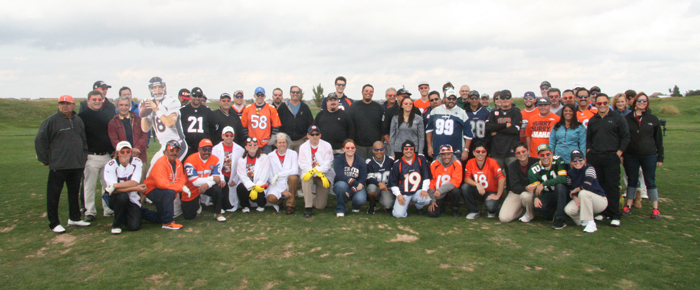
<point x="51" y="48"/>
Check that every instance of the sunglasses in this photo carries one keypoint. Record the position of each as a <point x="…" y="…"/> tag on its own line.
<point x="521" y="152"/>
<point x="96" y="99"/>
<point x="259" y="95"/>
<point x="505" y="97"/>
<point x="568" y="98"/>
<point x="423" y="87"/>
<point x="251" y="140"/>
<point x="295" y="92"/>
<point x="473" y="98"/>
<point x="205" y="149"/>
<point x="408" y="103"/>
<point x="583" y="96"/>
<point x="238" y="97"/>
<point x="642" y="101"/>
<point x="314" y="134"/>
<point x="544" y="88"/>
<point x="479" y="151"/>
<point x="377" y="149"/>
<point x="410" y="149"/>
<point x="553" y="96"/>
<point x="339" y="85"/>
<point x="197" y="96"/>
<point x="225" y="100"/>
<point x="391" y="95"/>
<point x="125" y="151"/>
<point x="349" y="147"/>
<point x="451" y="98"/>
<point x="543" y="155"/>
<point x="577" y="160"/>
<point x="228" y="135"/>
<point x="601" y="103"/>
<point x="277" y="95"/>
<point x="434" y="100"/>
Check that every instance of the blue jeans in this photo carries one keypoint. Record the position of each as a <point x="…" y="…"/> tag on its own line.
<point x="632" y="164"/>
<point x="163" y="200"/>
<point x="420" y="202"/>
<point x="358" y="198"/>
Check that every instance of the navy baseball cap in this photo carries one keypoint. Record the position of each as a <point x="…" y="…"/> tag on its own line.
<point x="313" y="128"/>
<point x="529" y="94"/>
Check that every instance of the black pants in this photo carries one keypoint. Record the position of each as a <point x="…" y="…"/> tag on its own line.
<point x="452" y="196"/>
<point x="54" y="186"/>
<point x="607" y="169"/>
<point x="126" y="213"/>
<point x="225" y="201"/>
<point x="471" y="196"/>
<point x="190" y="208"/>
<point x="553" y="203"/>
<point x="244" y="197"/>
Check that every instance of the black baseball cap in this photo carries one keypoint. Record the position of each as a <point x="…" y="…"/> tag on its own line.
<point x="225" y="95"/>
<point x="184" y="94"/>
<point x="473" y="93"/>
<point x="408" y="144"/>
<point x="576" y="153"/>
<point x="543" y="101"/>
<point x="505" y="94"/>
<point x="545" y="84"/>
<point x="332" y="96"/>
<point x="100" y="84"/>
<point x="196" y="91"/>
<point x="313" y="128"/>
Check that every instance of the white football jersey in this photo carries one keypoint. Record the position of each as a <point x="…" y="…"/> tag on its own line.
<point x="168" y="106"/>
<point x="115" y="173"/>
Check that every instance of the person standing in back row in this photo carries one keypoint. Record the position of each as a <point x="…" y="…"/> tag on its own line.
<point x="503" y="125"/>
<point x="366" y="116"/>
<point x="344" y="101"/>
<point x="195" y="120"/>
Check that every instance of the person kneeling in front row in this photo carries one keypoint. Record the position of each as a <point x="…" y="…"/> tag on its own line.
<point x="446" y="173"/>
<point x="483" y="181"/>
<point x="588" y="196"/>
<point x="410" y="180"/>
<point x="547" y="179"/>
<point x="167" y="179"/>
<point x="519" y="202"/>
<point x="204" y="177"/>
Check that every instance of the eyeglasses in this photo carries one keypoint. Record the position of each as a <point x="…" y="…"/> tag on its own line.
<point x="505" y="97"/>
<point x="473" y="98"/>
<point x="567" y="98"/>
<point x="583" y="96"/>
<point x="423" y="87"/>
<point x="125" y="151"/>
<point x="391" y="95"/>
<point x="238" y="97"/>
<point x="543" y="155"/>
<point x="225" y="100"/>
<point x="197" y="96"/>
<point x="205" y="149"/>
<point x="448" y="88"/>
<point x="408" y="103"/>
<point x="553" y="96"/>
<point x="410" y="149"/>
<point x="277" y="95"/>
<point x="642" y="101"/>
<point x="175" y="150"/>
<point x="601" y="103"/>
<point x="577" y="160"/>
<point x="544" y="88"/>
<point x="349" y="147"/>
<point x="228" y="135"/>
<point x="479" y="151"/>
<point x="377" y="149"/>
<point x="339" y="85"/>
<point x="99" y="100"/>
<point x="295" y="92"/>
<point x="259" y="95"/>
<point x="251" y="140"/>
<point x="314" y="134"/>
<point x="521" y="152"/>
<point x="435" y="100"/>
<point x="451" y="98"/>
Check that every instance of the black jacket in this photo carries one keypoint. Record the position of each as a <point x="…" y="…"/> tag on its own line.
<point x="97" y="130"/>
<point x="61" y="142"/>
<point x="607" y="135"/>
<point x="367" y="119"/>
<point x="335" y="127"/>
<point x="646" y="137"/>
<point x="517" y="179"/>
<point x="295" y="126"/>
<point x="503" y="138"/>
<point x="218" y="120"/>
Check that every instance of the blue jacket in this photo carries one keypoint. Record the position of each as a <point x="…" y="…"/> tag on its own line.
<point x="353" y="174"/>
<point x="564" y="141"/>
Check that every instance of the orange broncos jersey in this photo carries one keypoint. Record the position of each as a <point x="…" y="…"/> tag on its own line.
<point x="260" y="122"/>
<point x="442" y="175"/>
<point x="195" y="168"/>
<point x="526" y="119"/>
<point x="422" y="106"/>
<point x="584" y="116"/>
<point x="488" y="176"/>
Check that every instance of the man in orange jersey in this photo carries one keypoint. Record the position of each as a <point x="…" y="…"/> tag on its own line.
<point x="540" y="125"/>
<point x="165" y="180"/>
<point x="529" y="111"/>
<point x="584" y="113"/>
<point x="423" y="102"/>
<point x="483" y="180"/>
<point x="260" y="120"/>
<point x="446" y="171"/>
<point x="204" y="177"/>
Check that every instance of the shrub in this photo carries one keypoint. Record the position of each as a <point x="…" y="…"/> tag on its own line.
<point x="669" y="110"/>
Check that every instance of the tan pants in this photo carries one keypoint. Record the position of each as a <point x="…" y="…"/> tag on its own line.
<point x="591" y="204"/>
<point x="295" y="144"/>
<point x="515" y="205"/>
<point x="318" y="200"/>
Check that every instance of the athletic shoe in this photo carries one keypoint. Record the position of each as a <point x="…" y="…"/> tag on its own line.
<point x="199" y="210"/>
<point x="260" y="209"/>
<point x="58" y="229"/>
<point x="355" y="210"/>
<point x="615" y="223"/>
<point x="89" y="218"/>
<point x="172" y="226"/>
<point x="491" y="215"/>
<point x="340" y="214"/>
<point x="290" y="210"/>
<point x="655" y="214"/>
<point x="524" y="219"/>
<point x="308" y="212"/>
<point x="558" y="225"/>
<point x="626" y="210"/>
<point x="72" y="223"/>
<point x="370" y="209"/>
<point x="246" y="210"/>
<point x="590" y="227"/>
<point x="116" y="231"/>
<point x="220" y="217"/>
<point x="233" y="209"/>
<point x="472" y="215"/>
<point x="584" y="223"/>
<point x="601" y="217"/>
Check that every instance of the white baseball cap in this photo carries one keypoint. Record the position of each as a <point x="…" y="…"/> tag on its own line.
<point x="227" y="129"/>
<point x="123" y="144"/>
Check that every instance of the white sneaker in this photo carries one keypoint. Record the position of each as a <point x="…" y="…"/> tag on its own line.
<point x="472" y="215"/>
<point x="524" y="219"/>
<point x="599" y="217"/>
<point x="220" y="218"/>
<point x="615" y="223"/>
<point x="355" y="210"/>
<point x="116" y="231"/>
<point x="492" y="215"/>
<point x="58" y="229"/>
<point x="584" y="223"/>
<point x="590" y="227"/>
<point x="246" y="210"/>
<point x="260" y="209"/>
<point x="231" y="210"/>
<point x="199" y="211"/>
<point x="340" y="214"/>
<point x="223" y="211"/>
<point x="72" y="223"/>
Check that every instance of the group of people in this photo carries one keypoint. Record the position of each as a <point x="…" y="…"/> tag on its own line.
<point x="559" y="156"/>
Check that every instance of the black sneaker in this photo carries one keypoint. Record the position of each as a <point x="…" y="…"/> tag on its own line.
<point x="558" y="225"/>
<point x="455" y="212"/>
<point x="307" y="213"/>
<point x="89" y="218"/>
<point x="370" y="210"/>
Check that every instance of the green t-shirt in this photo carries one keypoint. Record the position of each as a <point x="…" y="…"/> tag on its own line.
<point x="548" y="176"/>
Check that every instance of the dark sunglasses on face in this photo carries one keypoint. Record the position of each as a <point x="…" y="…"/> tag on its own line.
<point x="125" y="151"/>
<point x="451" y="98"/>
<point x="542" y="155"/>
<point x="583" y="96"/>
<point x="553" y="96"/>
<point x="577" y="160"/>
<point x="423" y="87"/>
<point x="408" y="103"/>
<point x="295" y="92"/>
<point x="568" y="98"/>
<point x="434" y="100"/>
<point x="410" y="149"/>
<point x="391" y="95"/>
<point x="505" y="97"/>
<point x="378" y="149"/>
<point x="349" y="147"/>
<point x="277" y="95"/>
<point x="228" y="135"/>
<point x="473" y="98"/>
<point x="340" y="85"/>
<point x="544" y="88"/>
<point x="314" y="134"/>
<point x="642" y="101"/>
<point x="601" y="103"/>
<point x="259" y="95"/>
<point x="479" y="151"/>
<point x="96" y="99"/>
<point x="205" y="149"/>
<point x="521" y="152"/>
<point x="238" y="97"/>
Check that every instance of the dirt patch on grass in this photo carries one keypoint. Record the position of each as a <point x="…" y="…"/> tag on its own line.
<point x="271" y="285"/>
<point x="66" y="239"/>
<point x="244" y="284"/>
<point x="404" y="238"/>
<point x="626" y="284"/>
<point x="315" y="249"/>
<point x="597" y="269"/>
<point x="159" y="280"/>
<point x="7" y="229"/>
<point x="408" y="230"/>
<point x="430" y="251"/>
<point x="325" y="276"/>
<point x="639" y="241"/>
<point x="384" y="227"/>
<point x="344" y="254"/>
<point x="668" y="217"/>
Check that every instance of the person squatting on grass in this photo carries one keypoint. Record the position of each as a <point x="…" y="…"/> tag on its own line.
<point x="350" y="176"/>
<point x="165" y="181"/>
<point x="315" y="167"/>
<point x="483" y="181"/>
<point x="410" y="180"/>
<point x="519" y="202"/>
<point x="588" y="197"/>
<point x="378" y="171"/>
<point x="446" y="171"/>
<point x="547" y="182"/>
<point x="284" y="174"/>
<point x="204" y="177"/>
<point x="254" y="172"/>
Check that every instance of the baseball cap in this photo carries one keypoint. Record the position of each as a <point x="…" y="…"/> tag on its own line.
<point x="205" y="142"/>
<point x="185" y="94"/>
<point x="423" y="83"/>
<point x="332" y="96"/>
<point x="197" y="91"/>
<point x="237" y="92"/>
<point x="505" y="94"/>
<point x="123" y="144"/>
<point x="473" y="93"/>
<point x="576" y="153"/>
<point x="313" y="128"/>
<point x="485" y="96"/>
<point x="408" y="144"/>
<point x="450" y="93"/>
<point x="66" y="98"/>
<point x="543" y="147"/>
<point x="545" y="84"/>
<point x="578" y="85"/>
<point x="259" y="90"/>
<point x="595" y="89"/>
<point x="543" y="101"/>
<point x="225" y="95"/>
<point x="227" y="129"/>
<point x="529" y="94"/>
<point x="447" y="148"/>
<point x="402" y="91"/>
<point x="100" y="84"/>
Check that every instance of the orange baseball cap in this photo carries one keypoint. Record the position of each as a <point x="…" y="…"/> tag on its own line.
<point x="66" y="98"/>
<point x="205" y="143"/>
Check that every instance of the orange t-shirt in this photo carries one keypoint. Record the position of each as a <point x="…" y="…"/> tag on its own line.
<point x="488" y="176"/>
<point x="421" y="105"/>
<point x="584" y="116"/>
<point x="260" y="122"/>
<point x="538" y="129"/>
<point x="526" y="118"/>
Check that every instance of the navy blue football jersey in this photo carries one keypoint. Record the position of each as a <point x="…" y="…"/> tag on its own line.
<point x="379" y="171"/>
<point x="477" y="121"/>
<point x="410" y="178"/>
<point x="448" y="129"/>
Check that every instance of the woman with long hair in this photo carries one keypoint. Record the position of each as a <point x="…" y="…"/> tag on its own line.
<point x="645" y="150"/>
<point x="405" y="126"/>
<point x="350" y="176"/>
<point x="567" y="134"/>
<point x="254" y="171"/>
<point x="619" y="103"/>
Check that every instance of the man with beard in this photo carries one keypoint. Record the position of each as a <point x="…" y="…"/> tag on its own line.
<point x="504" y="126"/>
<point x="449" y="125"/>
<point x="195" y="120"/>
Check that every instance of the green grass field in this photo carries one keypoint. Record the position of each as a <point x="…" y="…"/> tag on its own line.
<point x="275" y="251"/>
